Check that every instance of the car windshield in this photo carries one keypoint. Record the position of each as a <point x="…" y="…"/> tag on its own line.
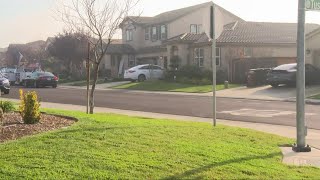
<point x="286" y="67"/>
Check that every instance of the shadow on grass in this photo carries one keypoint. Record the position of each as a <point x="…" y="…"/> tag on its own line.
<point x="103" y="129"/>
<point x="196" y="171"/>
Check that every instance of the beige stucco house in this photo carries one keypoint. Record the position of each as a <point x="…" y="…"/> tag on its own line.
<point x="156" y="40"/>
<point x="248" y="45"/>
<point x="241" y="45"/>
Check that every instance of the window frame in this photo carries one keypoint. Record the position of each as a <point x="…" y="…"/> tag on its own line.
<point x="199" y="56"/>
<point x="131" y="58"/>
<point x="163" y="35"/>
<point x="196" y="27"/>
<point x="247" y="52"/>
<point x="147" y="33"/>
<point x="129" y="35"/>
<point x="154" y="37"/>
<point x="199" y="30"/>
<point x="218" y="56"/>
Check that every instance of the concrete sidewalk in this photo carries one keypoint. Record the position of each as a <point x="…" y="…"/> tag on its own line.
<point x="289" y="157"/>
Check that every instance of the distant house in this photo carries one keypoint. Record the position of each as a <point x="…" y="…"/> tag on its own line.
<point x="184" y="33"/>
<point x="155" y="40"/>
<point x="247" y="45"/>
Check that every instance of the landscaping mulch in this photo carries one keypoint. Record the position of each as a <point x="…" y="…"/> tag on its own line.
<point x="13" y="127"/>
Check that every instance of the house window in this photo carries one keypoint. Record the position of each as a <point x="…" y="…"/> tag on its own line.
<point x="218" y="56"/>
<point x="163" y="30"/>
<point x="247" y="52"/>
<point x="154" y="34"/>
<point x="131" y="61"/>
<point x="199" y="56"/>
<point x="147" y="33"/>
<point x="193" y="28"/>
<point x="196" y="28"/>
<point x="129" y="34"/>
<point x="113" y="60"/>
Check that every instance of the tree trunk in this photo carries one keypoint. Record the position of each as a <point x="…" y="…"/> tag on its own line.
<point x="95" y="79"/>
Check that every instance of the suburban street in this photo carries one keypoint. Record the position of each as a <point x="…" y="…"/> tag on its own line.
<point x="271" y="112"/>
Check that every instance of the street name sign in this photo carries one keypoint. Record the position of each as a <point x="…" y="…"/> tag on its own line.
<point x="313" y="5"/>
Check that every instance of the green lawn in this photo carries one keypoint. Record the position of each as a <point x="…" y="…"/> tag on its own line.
<point x="171" y="87"/>
<point x="105" y="146"/>
<point x="316" y="97"/>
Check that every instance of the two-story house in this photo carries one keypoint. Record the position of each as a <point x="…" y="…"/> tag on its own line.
<point x="156" y="40"/>
<point x="183" y="33"/>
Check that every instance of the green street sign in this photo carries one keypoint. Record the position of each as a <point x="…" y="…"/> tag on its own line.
<point x="313" y="5"/>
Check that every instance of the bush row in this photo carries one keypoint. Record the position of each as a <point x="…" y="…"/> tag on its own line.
<point x="195" y="75"/>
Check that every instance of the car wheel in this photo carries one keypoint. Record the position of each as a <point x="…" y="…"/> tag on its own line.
<point x="275" y="85"/>
<point x="7" y="91"/>
<point x="54" y="86"/>
<point x="142" y="78"/>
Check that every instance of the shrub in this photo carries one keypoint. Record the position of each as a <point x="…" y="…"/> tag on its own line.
<point x="195" y="75"/>
<point x="30" y="107"/>
<point x="7" y="106"/>
<point x="175" y="62"/>
<point x="205" y="82"/>
<point x="222" y="76"/>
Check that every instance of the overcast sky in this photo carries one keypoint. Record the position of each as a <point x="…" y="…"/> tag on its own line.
<point x="30" y="20"/>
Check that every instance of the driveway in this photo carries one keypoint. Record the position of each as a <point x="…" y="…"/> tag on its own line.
<point x="266" y="92"/>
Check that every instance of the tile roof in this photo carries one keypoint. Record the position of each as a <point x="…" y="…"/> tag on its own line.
<point x="152" y="49"/>
<point x="262" y="32"/>
<point x="120" y="49"/>
<point x="189" y="38"/>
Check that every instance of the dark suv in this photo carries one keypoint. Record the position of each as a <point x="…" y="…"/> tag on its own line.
<point x="286" y="74"/>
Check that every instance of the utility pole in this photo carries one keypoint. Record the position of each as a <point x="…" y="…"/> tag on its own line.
<point x="214" y="65"/>
<point x="88" y="78"/>
<point x="300" y="117"/>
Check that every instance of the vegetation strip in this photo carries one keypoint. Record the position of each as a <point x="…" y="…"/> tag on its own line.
<point x="107" y="146"/>
<point x="172" y="87"/>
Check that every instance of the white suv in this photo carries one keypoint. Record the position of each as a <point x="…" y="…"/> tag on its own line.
<point x="144" y="72"/>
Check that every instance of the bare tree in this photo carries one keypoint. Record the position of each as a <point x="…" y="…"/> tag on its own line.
<point x="99" y="20"/>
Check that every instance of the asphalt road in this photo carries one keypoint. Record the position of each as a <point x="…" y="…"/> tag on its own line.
<point x="271" y="112"/>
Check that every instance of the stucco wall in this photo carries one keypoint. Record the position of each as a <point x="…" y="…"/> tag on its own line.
<point x="229" y="53"/>
<point x="182" y="25"/>
<point x="313" y="44"/>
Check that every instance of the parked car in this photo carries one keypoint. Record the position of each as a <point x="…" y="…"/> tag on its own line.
<point x="286" y="74"/>
<point x="9" y="73"/>
<point x="41" y="79"/>
<point x="143" y="72"/>
<point x="4" y="85"/>
<point x="257" y="77"/>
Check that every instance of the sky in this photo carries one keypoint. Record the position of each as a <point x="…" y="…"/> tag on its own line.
<point x="23" y="21"/>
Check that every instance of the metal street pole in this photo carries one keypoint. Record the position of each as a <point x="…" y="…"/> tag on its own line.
<point x="300" y="117"/>
<point x="214" y="65"/>
<point x="88" y="78"/>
